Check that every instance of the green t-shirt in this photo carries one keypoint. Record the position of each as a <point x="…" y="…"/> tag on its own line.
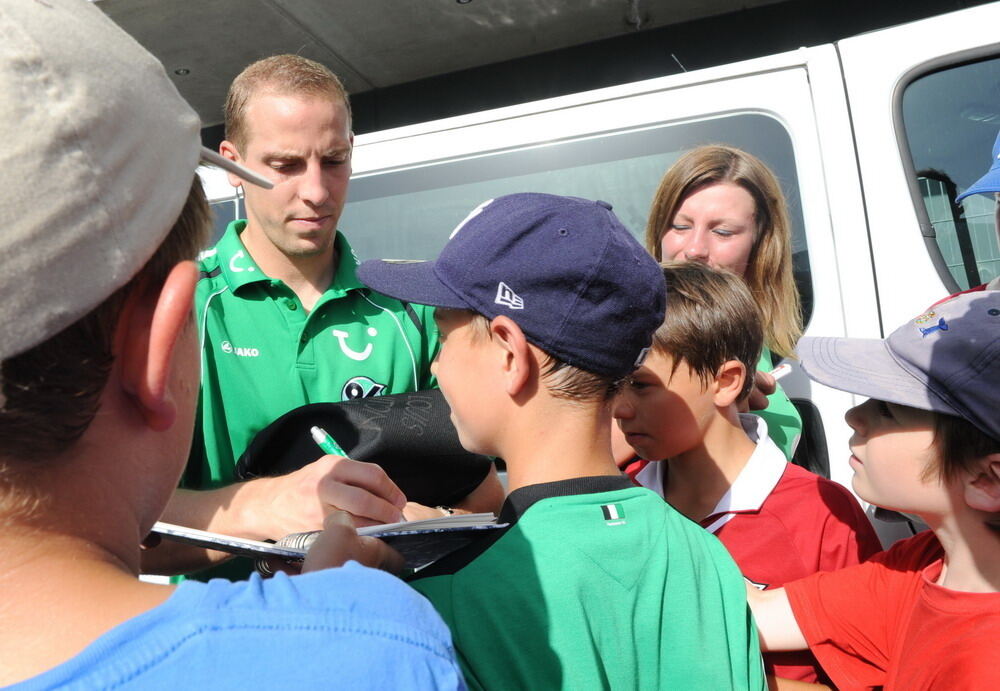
<point x="263" y="354"/>
<point x="597" y="584"/>
<point x="784" y="424"/>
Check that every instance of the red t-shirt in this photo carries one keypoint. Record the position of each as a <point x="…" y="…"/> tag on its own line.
<point x="886" y="624"/>
<point x="781" y="523"/>
<point x="806" y="524"/>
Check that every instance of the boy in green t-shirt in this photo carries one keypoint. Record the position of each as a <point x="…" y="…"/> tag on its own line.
<point x="545" y="304"/>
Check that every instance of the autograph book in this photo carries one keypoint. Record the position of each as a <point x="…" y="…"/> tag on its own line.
<point x="420" y="542"/>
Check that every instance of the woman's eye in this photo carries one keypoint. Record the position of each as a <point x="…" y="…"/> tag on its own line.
<point x="678" y="226"/>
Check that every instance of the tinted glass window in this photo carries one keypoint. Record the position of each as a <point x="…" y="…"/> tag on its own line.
<point x="951" y="118"/>
<point x="223" y="213"/>
<point x="409" y="214"/>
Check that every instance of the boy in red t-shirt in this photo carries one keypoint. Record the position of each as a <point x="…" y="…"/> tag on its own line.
<point x="925" y="614"/>
<point x="719" y="467"/>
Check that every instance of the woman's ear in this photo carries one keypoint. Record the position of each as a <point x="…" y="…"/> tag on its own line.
<point x="729" y="379"/>
<point x="147" y="334"/>
<point x="515" y="351"/>
<point x="982" y="489"/>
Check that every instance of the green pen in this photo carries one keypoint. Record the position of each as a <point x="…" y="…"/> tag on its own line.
<point x="325" y="442"/>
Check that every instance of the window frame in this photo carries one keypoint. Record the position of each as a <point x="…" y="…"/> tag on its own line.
<point x="938" y="64"/>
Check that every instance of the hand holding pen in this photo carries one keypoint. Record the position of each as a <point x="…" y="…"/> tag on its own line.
<point x="362" y="489"/>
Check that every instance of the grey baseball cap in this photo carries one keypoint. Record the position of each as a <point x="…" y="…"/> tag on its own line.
<point x="99" y="153"/>
<point x="946" y="360"/>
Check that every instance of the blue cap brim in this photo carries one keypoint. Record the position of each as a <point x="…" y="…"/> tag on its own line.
<point x="409" y="281"/>
<point x="988" y="184"/>
<point x="866" y="367"/>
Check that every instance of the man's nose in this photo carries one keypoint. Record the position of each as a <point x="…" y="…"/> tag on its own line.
<point x="313" y="186"/>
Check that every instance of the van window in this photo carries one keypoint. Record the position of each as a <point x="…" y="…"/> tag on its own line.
<point x="951" y="118"/>
<point x="409" y="213"/>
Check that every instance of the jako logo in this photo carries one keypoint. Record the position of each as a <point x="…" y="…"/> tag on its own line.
<point x="506" y="296"/>
<point x="228" y="348"/>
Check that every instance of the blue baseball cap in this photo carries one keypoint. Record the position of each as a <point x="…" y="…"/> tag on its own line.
<point x="946" y="360"/>
<point x="989" y="183"/>
<point x="564" y="269"/>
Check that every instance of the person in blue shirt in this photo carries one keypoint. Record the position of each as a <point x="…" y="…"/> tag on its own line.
<point x="98" y="390"/>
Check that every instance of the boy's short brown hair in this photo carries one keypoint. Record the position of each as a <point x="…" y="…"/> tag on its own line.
<point x="960" y="446"/>
<point x="711" y="318"/>
<point x="53" y="390"/>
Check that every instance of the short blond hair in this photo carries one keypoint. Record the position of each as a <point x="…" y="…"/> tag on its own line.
<point x="769" y="270"/>
<point x="562" y="380"/>
<point x="278" y="74"/>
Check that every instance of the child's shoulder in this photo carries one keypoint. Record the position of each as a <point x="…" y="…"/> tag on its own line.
<point x="796" y="480"/>
<point x="821" y="516"/>
<point x="912" y="553"/>
<point x="803" y="496"/>
<point x="796" y="474"/>
<point x="792" y="486"/>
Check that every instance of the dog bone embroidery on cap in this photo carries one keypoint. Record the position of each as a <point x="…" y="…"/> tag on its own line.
<point x="942" y="325"/>
<point x="926" y="317"/>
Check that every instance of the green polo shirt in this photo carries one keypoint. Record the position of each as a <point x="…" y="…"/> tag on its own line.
<point x="263" y="354"/>
<point x="597" y="584"/>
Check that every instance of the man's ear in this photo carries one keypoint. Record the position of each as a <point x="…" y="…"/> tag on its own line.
<point x="982" y="489"/>
<point x="728" y="384"/>
<point x="515" y="352"/>
<point x="229" y="150"/>
<point x="148" y="330"/>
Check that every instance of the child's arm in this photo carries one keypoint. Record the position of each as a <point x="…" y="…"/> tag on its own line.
<point x="776" y="623"/>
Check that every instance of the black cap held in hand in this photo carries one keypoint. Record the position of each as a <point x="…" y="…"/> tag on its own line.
<point x="410" y="435"/>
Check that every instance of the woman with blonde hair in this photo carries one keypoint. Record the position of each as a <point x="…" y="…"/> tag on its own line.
<point x="722" y="206"/>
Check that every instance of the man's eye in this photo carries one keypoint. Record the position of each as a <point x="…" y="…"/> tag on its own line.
<point x="883" y="410"/>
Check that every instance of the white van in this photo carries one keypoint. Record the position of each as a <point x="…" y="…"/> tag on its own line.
<point x="871" y="138"/>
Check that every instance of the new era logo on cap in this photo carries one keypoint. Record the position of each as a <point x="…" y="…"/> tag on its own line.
<point x="508" y="298"/>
